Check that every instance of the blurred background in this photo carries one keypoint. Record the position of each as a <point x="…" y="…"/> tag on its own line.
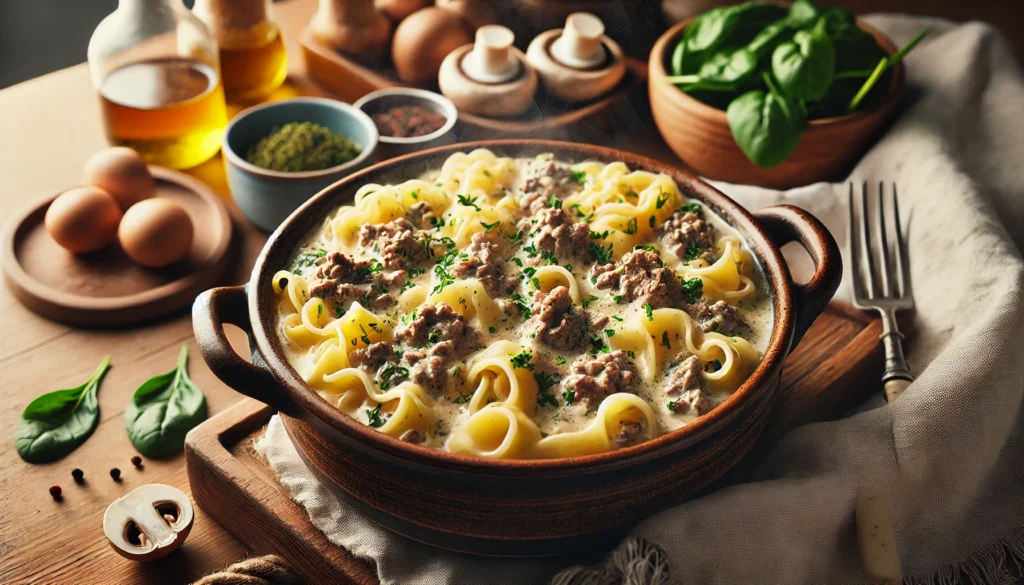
<point x="41" y="36"/>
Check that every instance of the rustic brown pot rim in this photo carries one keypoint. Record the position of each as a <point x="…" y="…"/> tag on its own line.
<point x="285" y="239"/>
<point x="681" y="99"/>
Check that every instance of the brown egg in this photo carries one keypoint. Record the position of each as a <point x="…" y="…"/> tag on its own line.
<point x="121" y="172"/>
<point x="423" y="40"/>
<point x="156" y="232"/>
<point x="398" y="10"/>
<point x="83" y="219"/>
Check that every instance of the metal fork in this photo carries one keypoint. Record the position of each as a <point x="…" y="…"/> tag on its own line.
<point x="894" y="293"/>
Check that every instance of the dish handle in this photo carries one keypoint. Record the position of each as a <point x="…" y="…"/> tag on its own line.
<point x="788" y="223"/>
<point x="229" y="304"/>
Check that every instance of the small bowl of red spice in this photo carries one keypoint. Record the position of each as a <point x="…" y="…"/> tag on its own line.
<point x="409" y="119"/>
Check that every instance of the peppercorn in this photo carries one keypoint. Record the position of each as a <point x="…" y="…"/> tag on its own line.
<point x="78" y="475"/>
<point x="55" y="492"/>
<point x="115" y="474"/>
<point x="137" y="461"/>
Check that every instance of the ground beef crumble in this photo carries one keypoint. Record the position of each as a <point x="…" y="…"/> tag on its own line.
<point x="557" y="322"/>
<point x="630" y="433"/>
<point x="435" y="334"/>
<point x="398" y="242"/>
<point x="641" y="276"/>
<point x="556" y="233"/>
<point x="686" y="384"/>
<point x="688" y="236"/>
<point x="338" y="279"/>
<point x="717" y="316"/>
<point x="594" y="378"/>
<point x="372" y="357"/>
<point x="544" y="177"/>
<point x="483" y="261"/>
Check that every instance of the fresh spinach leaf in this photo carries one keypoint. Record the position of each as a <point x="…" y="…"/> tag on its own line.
<point x="884" y="64"/>
<point x="163" y="410"/>
<point x="804" y="66"/>
<point x="56" y="423"/>
<point x="766" y="125"/>
<point x="802" y="12"/>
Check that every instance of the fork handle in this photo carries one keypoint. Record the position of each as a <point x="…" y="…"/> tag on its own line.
<point x="897" y="375"/>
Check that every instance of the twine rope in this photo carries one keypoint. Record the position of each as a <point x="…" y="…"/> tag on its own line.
<point x="265" y="570"/>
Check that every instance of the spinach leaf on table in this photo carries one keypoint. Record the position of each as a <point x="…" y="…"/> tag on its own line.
<point x="56" y="423"/>
<point x="766" y="125"/>
<point x="804" y="66"/>
<point x="163" y="410"/>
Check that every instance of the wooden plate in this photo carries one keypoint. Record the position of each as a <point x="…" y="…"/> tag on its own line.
<point x="548" y="118"/>
<point x="106" y="288"/>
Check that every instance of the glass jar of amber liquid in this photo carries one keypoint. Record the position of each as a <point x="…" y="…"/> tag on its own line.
<point x="157" y="70"/>
<point x="252" y="55"/>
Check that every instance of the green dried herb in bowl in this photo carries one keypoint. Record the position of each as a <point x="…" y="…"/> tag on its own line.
<point x="302" y="146"/>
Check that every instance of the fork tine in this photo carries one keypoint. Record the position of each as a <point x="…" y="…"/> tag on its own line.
<point x="854" y="251"/>
<point x="865" y="242"/>
<point x="883" y="244"/>
<point x="902" y="262"/>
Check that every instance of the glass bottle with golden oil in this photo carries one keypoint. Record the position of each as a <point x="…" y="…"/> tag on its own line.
<point x="252" y="55"/>
<point x="157" y="70"/>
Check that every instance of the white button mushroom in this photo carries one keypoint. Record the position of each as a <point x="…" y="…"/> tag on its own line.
<point x="148" y="523"/>
<point x="577" y="63"/>
<point x="489" y="77"/>
<point x="356" y="28"/>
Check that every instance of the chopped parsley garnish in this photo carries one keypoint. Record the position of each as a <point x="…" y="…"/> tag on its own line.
<point x="631" y="354"/>
<point x="609" y="332"/>
<point x="391" y="375"/>
<point x="408" y="285"/>
<point x="434" y="337"/>
<point x="631" y="226"/>
<point x="365" y="337"/>
<point x="575" y="207"/>
<point x="307" y="259"/>
<point x="415" y="193"/>
<point x="516" y="237"/>
<point x="650" y="221"/>
<point x="586" y="302"/>
<point x="529" y="271"/>
<point x="463" y="398"/>
<point x="579" y="176"/>
<point x="689" y="208"/>
<point x="372" y="267"/>
<point x="340" y="312"/>
<point x="672" y="405"/>
<point x="617" y="298"/>
<point x="561" y="361"/>
<point x="468" y="201"/>
<point x="518" y="261"/>
<point x="599" y="235"/>
<point x="569" y="396"/>
<point x="597" y="345"/>
<point x="649" y="247"/>
<point x="375" y="419"/>
<point x="491" y="330"/>
<point x="530" y="250"/>
<point x="692" y="253"/>
<point x="414" y="272"/>
<point x="489" y="226"/>
<point x="617" y="318"/>
<point x="522" y="360"/>
<point x="522" y="304"/>
<point x="693" y="289"/>
<point x="662" y="199"/>
<point x="664" y="340"/>
<point x="545" y="382"/>
<point x="554" y="202"/>
<point x="319" y="311"/>
<point x="603" y="254"/>
<point x="437" y="222"/>
<point x="650" y="311"/>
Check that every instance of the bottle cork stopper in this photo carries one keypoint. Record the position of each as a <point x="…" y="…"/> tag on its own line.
<point x="580" y="45"/>
<point x="491" y="60"/>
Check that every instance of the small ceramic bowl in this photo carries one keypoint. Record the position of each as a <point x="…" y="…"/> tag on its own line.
<point x="268" y="197"/>
<point x="381" y="100"/>
<point x="699" y="134"/>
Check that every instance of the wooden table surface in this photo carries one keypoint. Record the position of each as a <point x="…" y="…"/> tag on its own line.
<point x="50" y="126"/>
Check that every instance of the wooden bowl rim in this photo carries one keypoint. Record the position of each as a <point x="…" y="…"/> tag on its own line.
<point x="656" y="68"/>
<point x="58" y="300"/>
<point x="287" y="237"/>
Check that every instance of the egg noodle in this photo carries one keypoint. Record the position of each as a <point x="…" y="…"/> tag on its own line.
<point x="506" y="393"/>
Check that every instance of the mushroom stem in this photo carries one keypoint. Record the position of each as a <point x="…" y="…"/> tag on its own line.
<point x="580" y="43"/>
<point x="491" y="60"/>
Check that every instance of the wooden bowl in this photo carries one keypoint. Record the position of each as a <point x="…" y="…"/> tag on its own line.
<point x="513" y="507"/>
<point x="699" y="134"/>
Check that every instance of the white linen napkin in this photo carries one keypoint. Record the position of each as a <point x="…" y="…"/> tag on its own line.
<point x="950" y="452"/>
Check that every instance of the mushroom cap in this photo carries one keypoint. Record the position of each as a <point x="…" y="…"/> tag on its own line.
<point x="368" y="39"/>
<point x="569" y="83"/>
<point x="487" y="99"/>
<point x="139" y="507"/>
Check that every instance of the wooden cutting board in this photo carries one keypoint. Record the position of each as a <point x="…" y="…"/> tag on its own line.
<point x="839" y="359"/>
